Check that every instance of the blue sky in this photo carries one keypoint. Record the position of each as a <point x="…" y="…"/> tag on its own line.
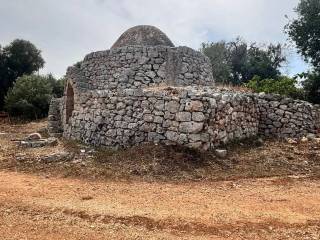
<point x="66" y="30"/>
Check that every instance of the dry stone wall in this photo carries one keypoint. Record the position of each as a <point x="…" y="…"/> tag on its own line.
<point x="146" y="90"/>
<point x="198" y="118"/>
<point x="284" y="117"/>
<point x="140" y="66"/>
<point x="55" y="126"/>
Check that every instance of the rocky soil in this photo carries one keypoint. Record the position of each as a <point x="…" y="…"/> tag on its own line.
<point x="260" y="190"/>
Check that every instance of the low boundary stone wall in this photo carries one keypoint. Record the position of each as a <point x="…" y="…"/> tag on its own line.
<point x="284" y="117"/>
<point x="197" y="117"/>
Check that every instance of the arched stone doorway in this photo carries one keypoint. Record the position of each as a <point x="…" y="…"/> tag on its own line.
<point x="69" y="102"/>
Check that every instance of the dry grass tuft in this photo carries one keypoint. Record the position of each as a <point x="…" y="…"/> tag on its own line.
<point x="233" y="88"/>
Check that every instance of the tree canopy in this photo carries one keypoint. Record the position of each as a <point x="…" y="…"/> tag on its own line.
<point x="218" y="54"/>
<point x="238" y="62"/>
<point x="18" y="58"/>
<point x="304" y="31"/>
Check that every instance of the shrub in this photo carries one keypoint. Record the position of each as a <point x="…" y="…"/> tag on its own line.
<point x="30" y="97"/>
<point x="57" y="85"/>
<point x="283" y="85"/>
<point x="312" y="87"/>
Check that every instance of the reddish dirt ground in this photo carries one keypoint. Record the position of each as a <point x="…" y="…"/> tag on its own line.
<point x="33" y="207"/>
<point x="274" y="196"/>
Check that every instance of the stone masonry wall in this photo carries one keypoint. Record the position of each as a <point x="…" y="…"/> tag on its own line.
<point x="198" y="118"/>
<point x="284" y="117"/>
<point x="140" y="66"/>
<point x="55" y="127"/>
<point x="135" y="94"/>
<point x="146" y="90"/>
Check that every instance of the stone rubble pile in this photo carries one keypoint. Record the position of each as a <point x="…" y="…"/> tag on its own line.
<point x="35" y="140"/>
<point x="58" y="157"/>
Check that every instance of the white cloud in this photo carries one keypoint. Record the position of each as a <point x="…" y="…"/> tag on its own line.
<point x="66" y="30"/>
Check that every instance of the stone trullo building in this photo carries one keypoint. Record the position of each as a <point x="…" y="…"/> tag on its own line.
<point x="144" y="89"/>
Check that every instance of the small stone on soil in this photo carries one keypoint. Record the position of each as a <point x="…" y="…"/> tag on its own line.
<point x="221" y="153"/>
<point x="311" y="136"/>
<point x="57" y="157"/>
<point x="34" y="136"/>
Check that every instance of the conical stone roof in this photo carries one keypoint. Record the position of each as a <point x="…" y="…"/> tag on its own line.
<point x="143" y="35"/>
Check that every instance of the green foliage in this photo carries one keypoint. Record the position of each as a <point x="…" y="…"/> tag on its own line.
<point x="77" y="64"/>
<point x="30" y="97"/>
<point x="22" y="58"/>
<point x="58" y="88"/>
<point x="237" y="59"/>
<point x="237" y="62"/>
<point x="283" y="85"/>
<point x="263" y="62"/>
<point x="3" y="72"/>
<point x="305" y="31"/>
<point x="311" y="86"/>
<point x="57" y="85"/>
<point x="218" y="55"/>
<point x="18" y="58"/>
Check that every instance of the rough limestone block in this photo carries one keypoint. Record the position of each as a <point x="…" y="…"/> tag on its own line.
<point x="198" y="116"/>
<point x="194" y="106"/>
<point x="183" y="116"/>
<point x="172" y="106"/>
<point x="190" y="127"/>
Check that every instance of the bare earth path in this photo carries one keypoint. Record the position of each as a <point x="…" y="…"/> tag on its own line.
<point x="34" y="207"/>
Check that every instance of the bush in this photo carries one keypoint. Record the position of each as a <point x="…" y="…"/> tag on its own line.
<point x="283" y="85"/>
<point x="57" y="86"/>
<point x="30" y="97"/>
<point x="312" y="87"/>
